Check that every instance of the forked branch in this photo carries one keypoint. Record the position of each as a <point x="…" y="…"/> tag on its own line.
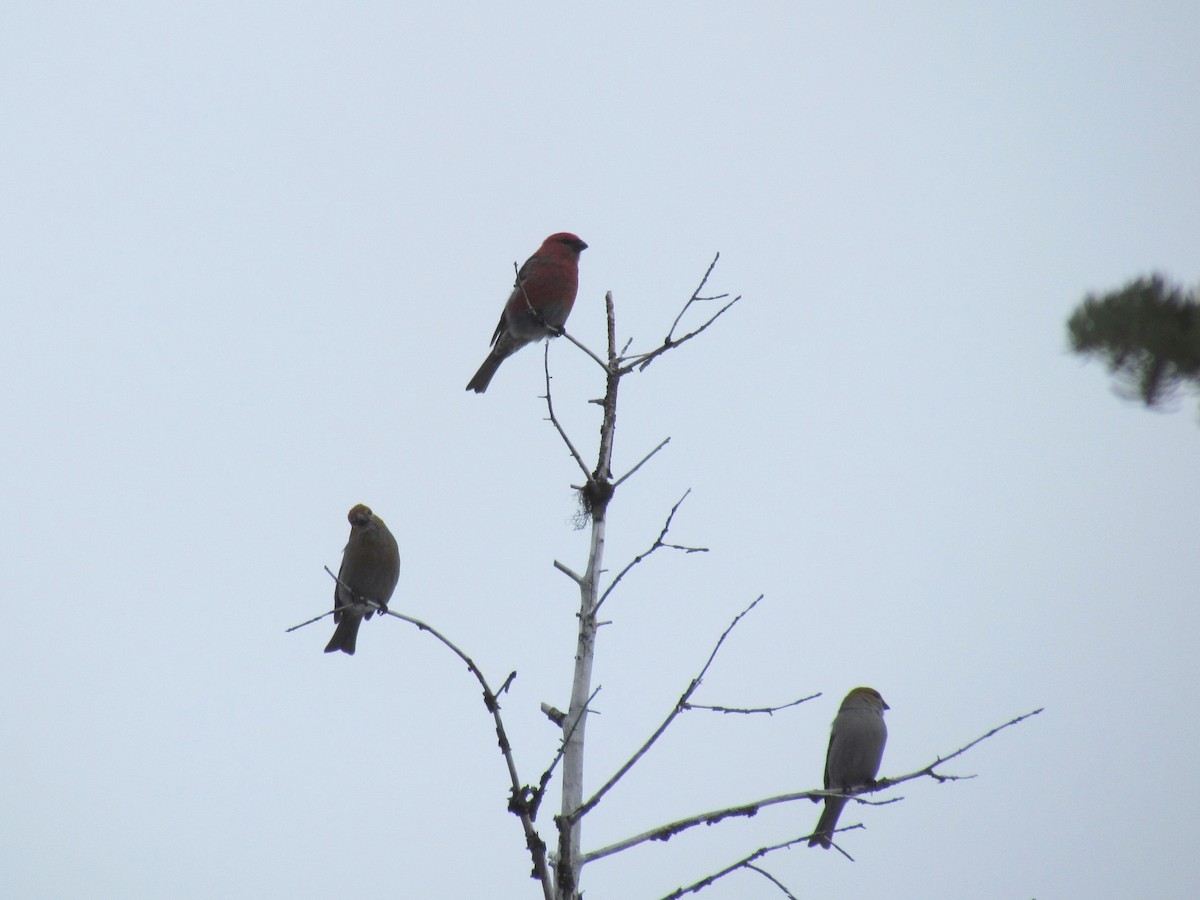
<point x="522" y="800"/>
<point x="639" y="361"/>
<point x="658" y="544"/>
<point x="679" y="707"/>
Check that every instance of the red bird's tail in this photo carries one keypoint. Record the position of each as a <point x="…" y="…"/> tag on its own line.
<point x="483" y="377"/>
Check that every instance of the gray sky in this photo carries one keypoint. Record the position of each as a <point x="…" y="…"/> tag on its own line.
<point x="252" y="254"/>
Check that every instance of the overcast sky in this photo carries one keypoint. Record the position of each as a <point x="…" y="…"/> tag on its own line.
<point x="252" y="253"/>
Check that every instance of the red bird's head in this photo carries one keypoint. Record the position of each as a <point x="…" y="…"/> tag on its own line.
<point x="563" y="244"/>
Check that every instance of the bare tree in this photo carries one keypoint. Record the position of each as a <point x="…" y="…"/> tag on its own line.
<point x="596" y="492"/>
<point x="558" y="871"/>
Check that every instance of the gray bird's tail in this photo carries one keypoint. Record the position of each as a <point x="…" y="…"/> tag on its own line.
<point x="346" y="634"/>
<point x="828" y="821"/>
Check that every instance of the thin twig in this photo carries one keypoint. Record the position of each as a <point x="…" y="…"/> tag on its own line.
<point x="644" y="460"/>
<point x="771" y="878"/>
<point x="357" y="599"/>
<point x="657" y="545"/>
<point x="562" y="332"/>
<point x="310" y="621"/>
<point x="749" y="711"/>
<point x="554" y="419"/>
<point x="562" y="748"/>
<point x="691" y="689"/>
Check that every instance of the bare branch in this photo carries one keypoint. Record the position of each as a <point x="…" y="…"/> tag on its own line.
<point x="577" y="814"/>
<point x="929" y="772"/>
<point x="657" y="545"/>
<point x="562" y="332"/>
<point x="769" y="710"/>
<point x="743" y="863"/>
<point x="867" y="801"/>
<point x="608" y="425"/>
<point x="554" y="419"/>
<point x="566" y="570"/>
<point x="357" y="599"/>
<point x="748" y="810"/>
<point x="644" y="460"/>
<point x="668" y="831"/>
<point x="310" y="621"/>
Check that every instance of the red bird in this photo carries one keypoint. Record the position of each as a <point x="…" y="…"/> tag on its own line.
<point x="544" y="295"/>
